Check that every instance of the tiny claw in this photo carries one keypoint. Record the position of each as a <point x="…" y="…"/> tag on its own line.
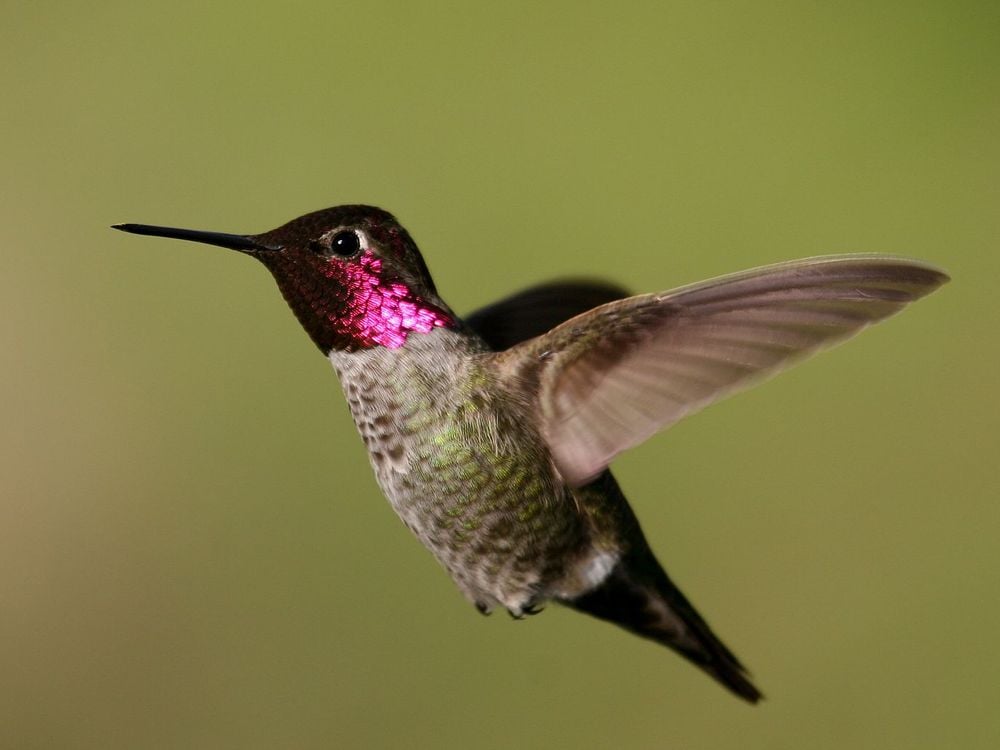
<point x="526" y="611"/>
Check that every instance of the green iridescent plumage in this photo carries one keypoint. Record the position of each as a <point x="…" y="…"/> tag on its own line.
<point x="491" y="438"/>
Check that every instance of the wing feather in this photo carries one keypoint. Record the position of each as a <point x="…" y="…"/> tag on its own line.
<point x="613" y="376"/>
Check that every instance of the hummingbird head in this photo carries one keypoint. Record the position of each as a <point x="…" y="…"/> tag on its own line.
<point x="352" y="275"/>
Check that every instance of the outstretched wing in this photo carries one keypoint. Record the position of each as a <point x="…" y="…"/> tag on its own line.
<point x="611" y="377"/>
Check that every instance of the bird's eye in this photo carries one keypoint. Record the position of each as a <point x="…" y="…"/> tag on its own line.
<point x="345" y="243"/>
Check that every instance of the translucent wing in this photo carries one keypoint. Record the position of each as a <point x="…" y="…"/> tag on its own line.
<point x="611" y="377"/>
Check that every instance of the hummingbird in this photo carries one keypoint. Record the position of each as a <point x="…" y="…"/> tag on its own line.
<point x="491" y="435"/>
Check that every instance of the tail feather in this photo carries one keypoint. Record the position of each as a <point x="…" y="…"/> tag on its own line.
<point x="637" y="595"/>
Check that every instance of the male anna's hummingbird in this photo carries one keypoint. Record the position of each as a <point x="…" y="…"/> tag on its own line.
<point x="491" y="436"/>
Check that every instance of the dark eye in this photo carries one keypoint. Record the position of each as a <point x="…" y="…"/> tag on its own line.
<point x="346" y="243"/>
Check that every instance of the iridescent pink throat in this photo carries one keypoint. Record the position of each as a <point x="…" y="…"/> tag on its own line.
<point x="375" y="311"/>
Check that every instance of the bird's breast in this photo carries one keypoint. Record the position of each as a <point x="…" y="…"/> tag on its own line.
<point x="461" y="463"/>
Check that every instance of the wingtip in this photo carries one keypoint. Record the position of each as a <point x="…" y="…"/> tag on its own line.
<point x="915" y="278"/>
<point x="925" y="277"/>
<point x="943" y="277"/>
<point x="927" y="274"/>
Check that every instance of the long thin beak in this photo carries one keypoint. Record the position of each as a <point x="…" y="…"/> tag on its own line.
<point x="243" y="243"/>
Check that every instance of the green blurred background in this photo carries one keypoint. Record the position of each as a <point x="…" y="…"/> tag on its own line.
<point x="193" y="552"/>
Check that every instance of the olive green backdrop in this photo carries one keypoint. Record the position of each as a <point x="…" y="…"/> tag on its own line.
<point x="193" y="552"/>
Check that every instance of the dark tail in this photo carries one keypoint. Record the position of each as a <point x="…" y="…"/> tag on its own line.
<point x="638" y="596"/>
